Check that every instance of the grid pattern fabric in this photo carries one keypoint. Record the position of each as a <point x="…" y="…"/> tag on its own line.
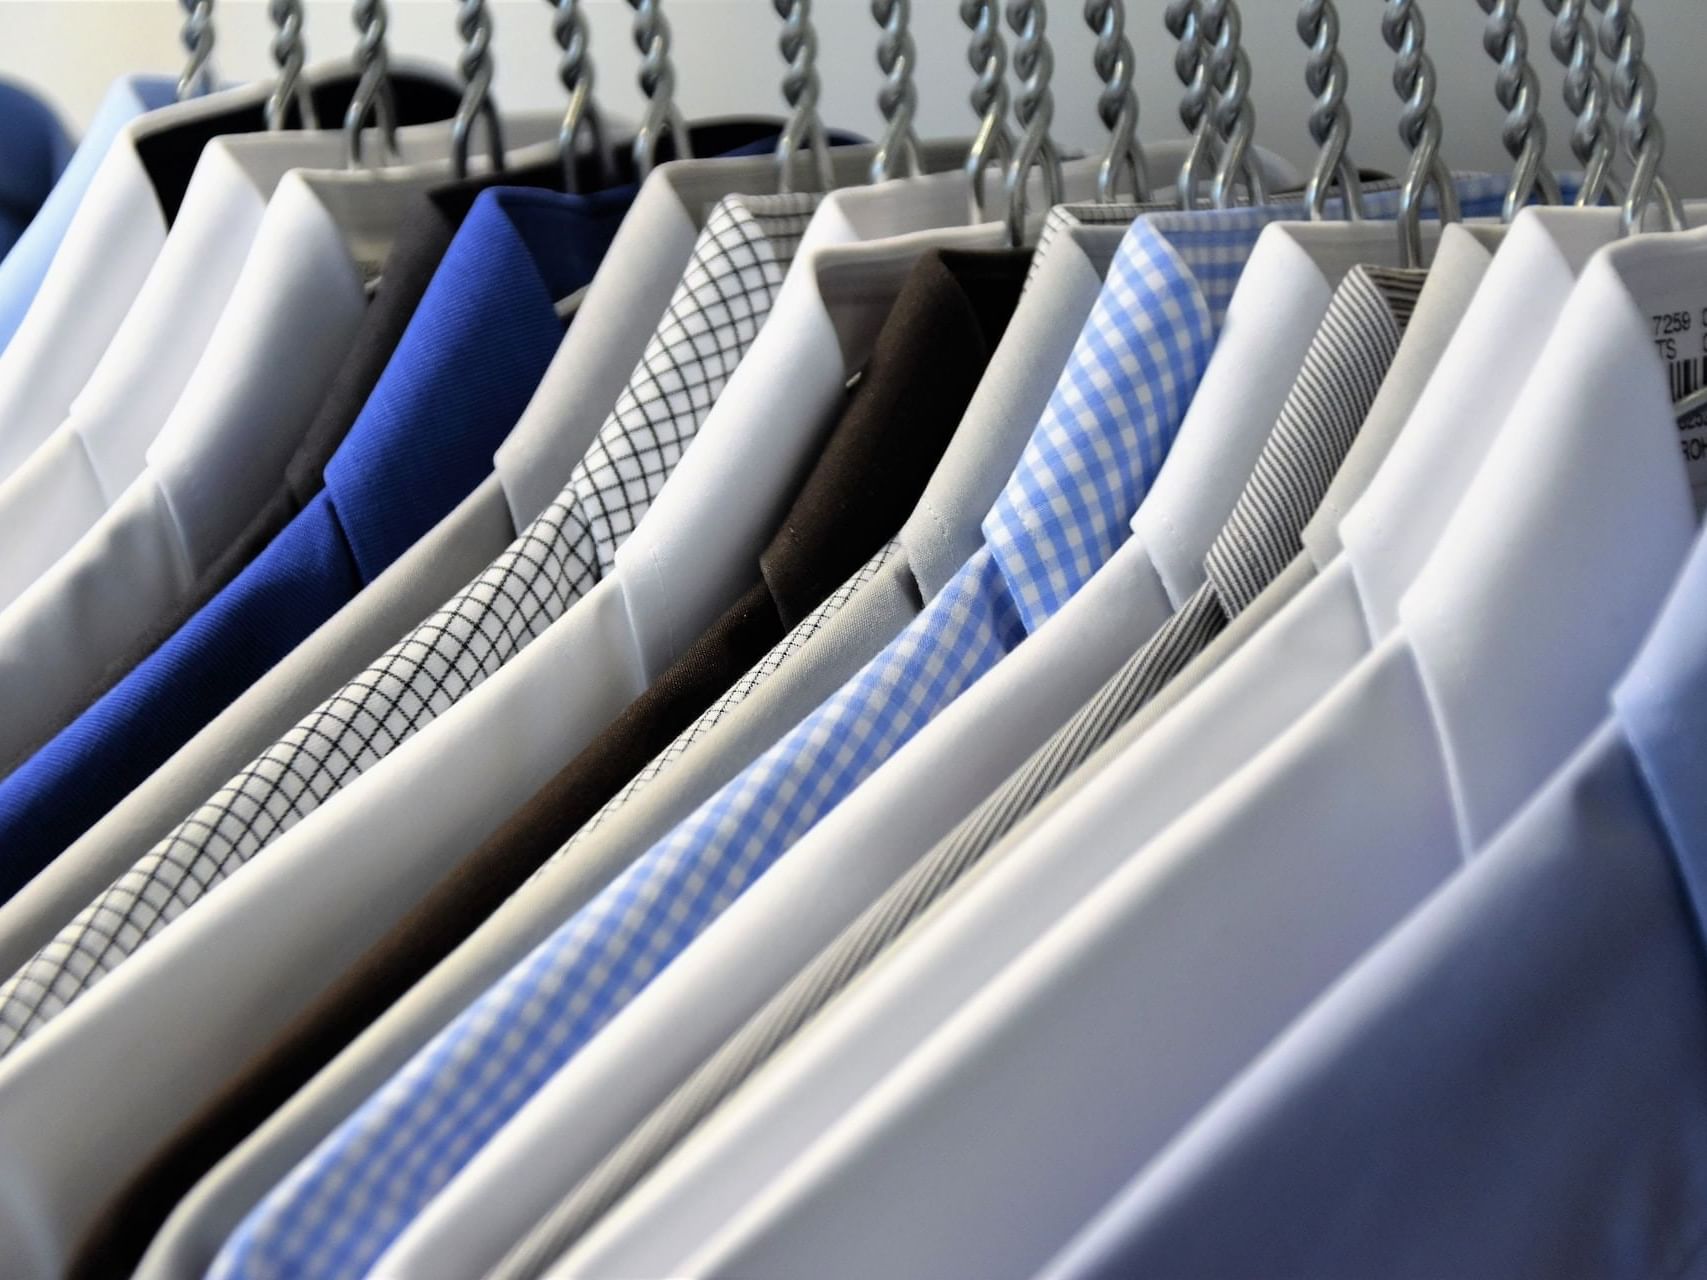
<point x="738" y="693"/>
<point x="736" y="268"/>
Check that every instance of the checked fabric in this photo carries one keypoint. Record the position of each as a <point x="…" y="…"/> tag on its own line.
<point x="1340" y="378"/>
<point x="728" y="289"/>
<point x="1067" y="507"/>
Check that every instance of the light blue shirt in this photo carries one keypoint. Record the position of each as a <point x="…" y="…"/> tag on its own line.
<point x="1514" y="1083"/>
<point x="33" y="153"/>
<point x="25" y="265"/>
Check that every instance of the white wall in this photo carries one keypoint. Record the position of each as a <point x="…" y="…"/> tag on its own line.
<point x="727" y="61"/>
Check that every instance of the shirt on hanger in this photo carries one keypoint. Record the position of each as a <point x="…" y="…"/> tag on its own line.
<point x="1059" y="515"/>
<point x="1213" y="936"/>
<point x="485" y="330"/>
<point x="34" y="151"/>
<point x="1526" y="1047"/>
<point x="906" y="401"/>
<point x="1341" y="374"/>
<point x="573" y="400"/>
<point x="25" y="264"/>
<point x="111" y="240"/>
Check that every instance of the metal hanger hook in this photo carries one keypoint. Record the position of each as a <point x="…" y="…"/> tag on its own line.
<point x="897" y="58"/>
<point x="1419" y="127"/>
<point x="1234" y="115"/>
<point x="652" y="36"/>
<point x="1635" y="92"/>
<point x="1034" y="63"/>
<point x="1573" y="42"/>
<point x="196" y="36"/>
<point x="575" y="70"/>
<point x="474" y="22"/>
<point x="1519" y="91"/>
<point x="1122" y="173"/>
<point x="1326" y="76"/>
<point x="373" y="89"/>
<point x="800" y="89"/>
<point x="289" y="53"/>
<point x="993" y="144"/>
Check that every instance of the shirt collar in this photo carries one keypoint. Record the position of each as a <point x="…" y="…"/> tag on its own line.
<point x="463" y="371"/>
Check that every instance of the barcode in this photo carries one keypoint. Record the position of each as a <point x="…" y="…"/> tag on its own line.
<point x="1687" y="376"/>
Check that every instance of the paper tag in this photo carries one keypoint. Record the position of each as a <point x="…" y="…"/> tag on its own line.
<point x="1680" y="336"/>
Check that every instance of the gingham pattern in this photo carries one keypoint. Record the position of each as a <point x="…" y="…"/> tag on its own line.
<point x="726" y="292"/>
<point x="1329" y="401"/>
<point x="344" y="1204"/>
<point x="1091" y="459"/>
<point x="738" y="693"/>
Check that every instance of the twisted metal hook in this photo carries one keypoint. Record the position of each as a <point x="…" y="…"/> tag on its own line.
<point x="1117" y="105"/>
<point x="1419" y="126"/>
<point x="1326" y="76"/>
<point x="1635" y="92"/>
<point x="474" y="22"/>
<point x="1034" y="63"/>
<point x="1518" y="89"/>
<point x="1572" y="39"/>
<point x="373" y="88"/>
<point x="652" y="36"/>
<point x="1186" y="23"/>
<point x="897" y="57"/>
<point x="197" y="39"/>
<point x="800" y="88"/>
<point x="1234" y="115"/>
<point x="988" y="54"/>
<point x="575" y="70"/>
<point x="289" y="53"/>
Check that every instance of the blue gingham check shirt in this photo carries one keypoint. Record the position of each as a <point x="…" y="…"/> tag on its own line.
<point x="1092" y="458"/>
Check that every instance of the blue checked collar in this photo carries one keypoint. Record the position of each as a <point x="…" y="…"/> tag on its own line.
<point x="1126" y="387"/>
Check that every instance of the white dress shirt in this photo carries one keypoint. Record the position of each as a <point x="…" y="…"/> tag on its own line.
<point x="616" y="317"/>
<point x="1324" y="635"/>
<point x="1130" y="1012"/>
<point x="270" y="938"/>
<point x="222" y="449"/>
<point x="866" y="842"/>
<point x="61" y="489"/>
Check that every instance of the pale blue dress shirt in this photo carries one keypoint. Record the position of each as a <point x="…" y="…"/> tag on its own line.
<point x="25" y="265"/>
<point x="34" y="150"/>
<point x="1514" y="1083"/>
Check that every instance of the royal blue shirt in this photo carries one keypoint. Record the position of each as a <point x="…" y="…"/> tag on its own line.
<point x="462" y="373"/>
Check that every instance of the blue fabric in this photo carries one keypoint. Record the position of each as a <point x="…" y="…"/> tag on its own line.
<point x="462" y="373"/>
<point x="1511" y="1084"/>
<point x="34" y="150"/>
<point x="23" y="268"/>
<point x="1067" y="507"/>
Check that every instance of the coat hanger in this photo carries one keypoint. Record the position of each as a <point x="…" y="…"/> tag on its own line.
<point x="1034" y="108"/>
<point x="993" y="143"/>
<point x="800" y="88"/>
<point x="1122" y="175"/>
<point x="1419" y="127"/>
<point x="474" y="22"/>
<point x="575" y="70"/>
<point x="897" y="58"/>
<point x="1217" y="101"/>
<point x="289" y="53"/>
<point x="197" y="77"/>
<point x="1635" y="93"/>
<point x="1519" y="92"/>
<point x="1326" y="76"/>
<point x="1573" y="40"/>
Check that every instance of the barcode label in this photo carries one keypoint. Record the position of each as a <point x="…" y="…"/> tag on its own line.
<point x="1687" y="377"/>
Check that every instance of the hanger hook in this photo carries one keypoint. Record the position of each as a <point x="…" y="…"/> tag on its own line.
<point x="1234" y="114"/>
<point x="1034" y="63"/>
<point x="197" y="38"/>
<point x="1635" y="92"/>
<point x="658" y="82"/>
<point x="289" y="53"/>
<point x="474" y="23"/>
<point x="1518" y="89"/>
<point x="897" y="58"/>
<point x="1186" y="22"/>
<point x="1327" y="77"/>
<point x="575" y="70"/>
<point x="993" y="143"/>
<point x="800" y="89"/>
<point x="1419" y="127"/>
<point x="373" y="86"/>
<point x="1117" y="105"/>
<point x="1572" y="39"/>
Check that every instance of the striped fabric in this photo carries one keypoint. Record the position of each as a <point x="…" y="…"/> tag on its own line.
<point x="1341" y="375"/>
